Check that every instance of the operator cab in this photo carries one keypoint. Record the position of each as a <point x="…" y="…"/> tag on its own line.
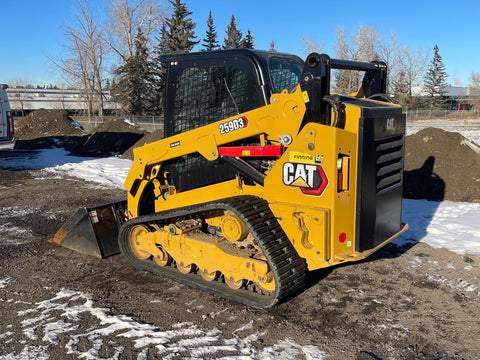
<point x="205" y="87"/>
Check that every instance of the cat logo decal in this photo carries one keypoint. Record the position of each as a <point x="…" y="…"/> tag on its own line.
<point x="310" y="178"/>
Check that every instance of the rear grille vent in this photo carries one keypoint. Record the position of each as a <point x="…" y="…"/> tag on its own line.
<point x="389" y="163"/>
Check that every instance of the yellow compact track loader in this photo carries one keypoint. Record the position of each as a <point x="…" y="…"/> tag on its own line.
<point x="263" y="175"/>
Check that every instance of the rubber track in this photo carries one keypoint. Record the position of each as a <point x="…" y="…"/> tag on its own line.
<point x="289" y="270"/>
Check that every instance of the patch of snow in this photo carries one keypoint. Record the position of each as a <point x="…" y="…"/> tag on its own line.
<point x="4" y="282"/>
<point x="8" y="333"/>
<point x="460" y="285"/>
<point x="8" y="230"/>
<point x="29" y="352"/>
<point x="57" y="318"/>
<point x="289" y="349"/>
<point x="471" y="146"/>
<point x="105" y="171"/>
<point x="76" y="124"/>
<point x="244" y="327"/>
<point x="14" y="211"/>
<point x="450" y="225"/>
<point x="130" y="122"/>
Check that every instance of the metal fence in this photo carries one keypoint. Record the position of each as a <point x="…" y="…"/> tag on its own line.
<point x="151" y="123"/>
<point x="419" y="118"/>
<point x="441" y="114"/>
<point x="154" y="121"/>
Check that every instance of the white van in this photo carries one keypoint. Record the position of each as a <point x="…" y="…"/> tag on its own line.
<point x="7" y="130"/>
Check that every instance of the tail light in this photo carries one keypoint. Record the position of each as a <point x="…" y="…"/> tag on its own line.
<point x="11" y="125"/>
<point x="343" y="169"/>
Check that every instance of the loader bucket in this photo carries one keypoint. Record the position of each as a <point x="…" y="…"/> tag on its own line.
<point x="92" y="230"/>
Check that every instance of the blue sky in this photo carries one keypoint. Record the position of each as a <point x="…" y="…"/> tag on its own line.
<point x="31" y="29"/>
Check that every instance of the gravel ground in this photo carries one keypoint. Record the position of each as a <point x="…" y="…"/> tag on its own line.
<point x="401" y="303"/>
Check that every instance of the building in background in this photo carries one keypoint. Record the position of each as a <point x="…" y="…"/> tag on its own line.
<point x="25" y="100"/>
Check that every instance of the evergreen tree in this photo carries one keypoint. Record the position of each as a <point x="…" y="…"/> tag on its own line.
<point x="435" y="80"/>
<point x="177" y="33"/>
<point x="247" y="41"/>
<point x="162" y="48"/>
<point x="234" y="36"/>
<point x="210" y="43"/>
<point x="135" y="87"/>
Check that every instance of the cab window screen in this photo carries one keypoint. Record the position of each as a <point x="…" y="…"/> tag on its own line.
<point x="208" y="94"/>
<point x="285" y="74"/>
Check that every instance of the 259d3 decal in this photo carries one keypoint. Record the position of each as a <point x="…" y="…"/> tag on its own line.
<point x="310" y="178"/>
<point x="232" y="125"/>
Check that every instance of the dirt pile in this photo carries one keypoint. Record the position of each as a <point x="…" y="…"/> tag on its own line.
<point x="119" y="125"/>
<point x="43" y="123"/>
<point x="441" y="165"/>
<point x="113" y="137"/>
<point x="147" y="138"/>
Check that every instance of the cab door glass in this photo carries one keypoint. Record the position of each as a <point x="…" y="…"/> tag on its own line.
<point x="285" y="74"/>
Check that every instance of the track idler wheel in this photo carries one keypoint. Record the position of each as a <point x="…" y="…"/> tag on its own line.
<point x="233" y="229"/>
<point x="133" y="235"/>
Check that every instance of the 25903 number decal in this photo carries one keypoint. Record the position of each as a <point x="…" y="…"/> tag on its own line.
<point x="232" y="125"/>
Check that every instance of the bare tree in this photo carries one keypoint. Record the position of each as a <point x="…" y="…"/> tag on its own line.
<point x="390" y="51"/>
<point x="20" y="94"/>
<point x="366" y="42"/>
<point x="311" y="44"/>
<point x="362" y="46"/>
<point x="127" y="17"/>
<point x="413" y="65"/>
<point x="475" y="90"/>
<point x="342" y="47"/>
<point x="85" y="50"/>
<point x="401" y="91"/>
<point x="62" y="97"/>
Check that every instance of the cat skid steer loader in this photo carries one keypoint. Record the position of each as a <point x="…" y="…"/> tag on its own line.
<point x="263" y="175"/>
